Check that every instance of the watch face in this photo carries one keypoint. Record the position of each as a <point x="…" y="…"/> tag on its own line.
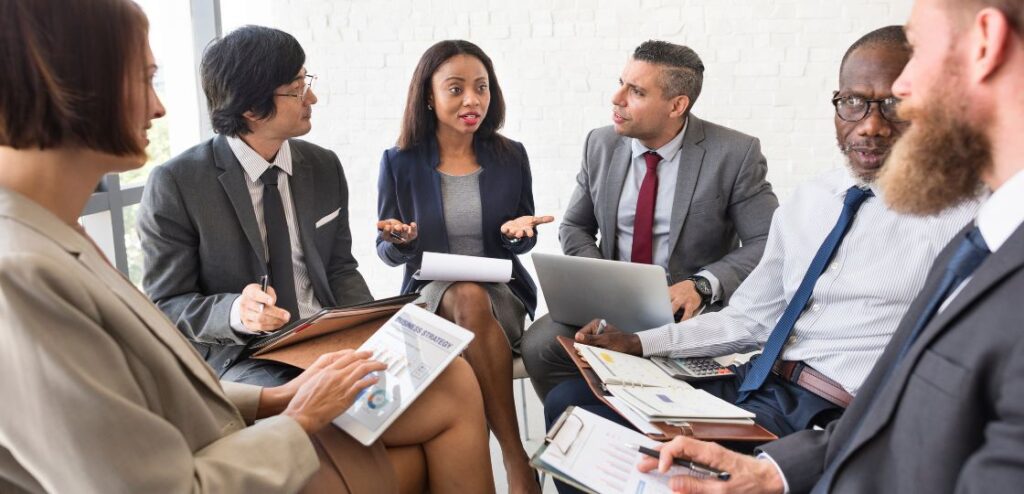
<point x="703" y="285"/>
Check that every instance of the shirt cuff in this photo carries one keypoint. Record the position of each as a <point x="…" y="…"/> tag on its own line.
<point x="236" y="318"/>
<point x="716" y="286"/>
<point x="785" y="484"/>
<point x="652" y="341"/>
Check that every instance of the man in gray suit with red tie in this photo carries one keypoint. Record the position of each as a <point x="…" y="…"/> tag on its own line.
<point x="943" y="409"/>
<point x="662" y="186"/>
<point x="251" y="202"/>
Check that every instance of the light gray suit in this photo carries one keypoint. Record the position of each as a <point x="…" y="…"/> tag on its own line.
<point x="202" y="244"/>
<point x="950" y="417"/>
<point x="103" y="395"/>
<point x="722" y="200"/>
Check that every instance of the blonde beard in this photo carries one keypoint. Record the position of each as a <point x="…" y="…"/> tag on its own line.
<point x="939" y="161"/>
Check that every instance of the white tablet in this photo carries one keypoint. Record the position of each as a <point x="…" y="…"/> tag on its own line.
<point x="416" y="345"/>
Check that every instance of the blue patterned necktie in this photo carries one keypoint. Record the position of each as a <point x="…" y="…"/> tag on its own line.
<point x="759" y="370"/>
<point x="971" y="252"/>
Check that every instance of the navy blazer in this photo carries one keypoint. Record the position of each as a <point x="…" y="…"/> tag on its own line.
<point x="409" y="189"/>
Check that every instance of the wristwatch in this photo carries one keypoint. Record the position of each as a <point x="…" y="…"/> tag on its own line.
<point x="703" y="287"/>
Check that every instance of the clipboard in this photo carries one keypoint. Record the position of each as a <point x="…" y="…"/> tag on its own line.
<point x="331" y="329"/>
<point x="705" y="431"/>
<point x="596" y="455"/>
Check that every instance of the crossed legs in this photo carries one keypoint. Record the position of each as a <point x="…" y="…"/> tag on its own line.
<point x="443" y="437"/>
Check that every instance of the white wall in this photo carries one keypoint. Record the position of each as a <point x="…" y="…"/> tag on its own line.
<point x="771" y="67"/>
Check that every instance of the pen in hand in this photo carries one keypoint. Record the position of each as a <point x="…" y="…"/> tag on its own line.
<point x="696" y="467"/>
<point x="393" y="235"/>
<point x="264" y="281"/>
<point x="600" y="327"/>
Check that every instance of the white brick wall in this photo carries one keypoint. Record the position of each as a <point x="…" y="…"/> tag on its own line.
<point x="771" y="67"/>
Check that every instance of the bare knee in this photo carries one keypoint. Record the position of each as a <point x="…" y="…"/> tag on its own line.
<point x="466" y="302"/>
<point x="459" y="385"/>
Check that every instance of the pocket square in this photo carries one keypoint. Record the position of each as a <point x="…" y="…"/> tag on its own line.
<point x="327" y="219"/>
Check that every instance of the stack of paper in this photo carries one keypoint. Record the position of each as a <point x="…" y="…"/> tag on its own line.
<point x="652" y="395"/>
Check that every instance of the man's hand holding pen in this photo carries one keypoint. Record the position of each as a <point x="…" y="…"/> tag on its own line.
<point x="257" y="309"/>
<point x="747" y="474"/>
<point x="609" y="337"/>
<point x="396" y="232"/>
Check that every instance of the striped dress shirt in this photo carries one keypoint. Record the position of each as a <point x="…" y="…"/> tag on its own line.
<point x="855" y="306"/>
<point x="254" y="165"/>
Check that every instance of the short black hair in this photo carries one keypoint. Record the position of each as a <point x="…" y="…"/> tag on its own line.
<point x="889" y="36"/>
<point x="241" y="71"/>
<point x="684" y="70"/>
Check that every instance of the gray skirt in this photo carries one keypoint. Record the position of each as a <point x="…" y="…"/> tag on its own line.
<point x="507" y="308"/>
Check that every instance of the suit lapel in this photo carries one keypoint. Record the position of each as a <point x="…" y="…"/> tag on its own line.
<point x="618" y="168"/>
<point x="232" y="179"/>
<point x="686" y="179"/>
<point x="302" y="186"/>
<point x="1008" y="259"/>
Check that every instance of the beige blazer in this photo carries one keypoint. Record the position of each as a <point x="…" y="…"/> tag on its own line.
<point x="102" y="394"/>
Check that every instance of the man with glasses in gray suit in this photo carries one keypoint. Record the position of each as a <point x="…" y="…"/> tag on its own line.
<point x="251" y="202"/>
<point x="662" y="186"/>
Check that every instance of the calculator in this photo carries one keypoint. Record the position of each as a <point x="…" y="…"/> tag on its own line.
<point x="693" y="369"/>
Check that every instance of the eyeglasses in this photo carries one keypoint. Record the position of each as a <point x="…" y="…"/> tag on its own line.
<point x="310" y="78"/>
<point x="857" y="108"/>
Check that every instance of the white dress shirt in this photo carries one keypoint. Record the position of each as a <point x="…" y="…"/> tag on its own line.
<point x="668" y="171"/>
<point x="856" y="304"/>
<point x="1000" y="215"/>
<point x="254" y="165"/>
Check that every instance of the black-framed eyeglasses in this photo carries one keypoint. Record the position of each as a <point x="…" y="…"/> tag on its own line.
<point x="310" y="78"/>
<point x="857" y="108"/>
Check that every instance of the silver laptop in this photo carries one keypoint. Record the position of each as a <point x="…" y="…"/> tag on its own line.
<point x="632" y="297"/>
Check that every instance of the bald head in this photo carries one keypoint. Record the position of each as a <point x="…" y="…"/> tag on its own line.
<point x="891" y="37"/>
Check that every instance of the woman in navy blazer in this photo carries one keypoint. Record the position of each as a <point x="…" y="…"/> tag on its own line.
<point x="454" y="185"/>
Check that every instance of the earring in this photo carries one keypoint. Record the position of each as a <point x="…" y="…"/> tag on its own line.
<point x="429" y="107"/>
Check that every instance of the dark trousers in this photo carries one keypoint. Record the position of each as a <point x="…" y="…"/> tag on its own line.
<point x="544" y="358"/>
<point x="258" y="372"/>
<point x="780" y="406"/>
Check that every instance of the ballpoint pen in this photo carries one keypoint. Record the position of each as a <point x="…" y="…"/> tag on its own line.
<point x="601" y="325"/>
<point x="696" y="467"/>
<point x="264" y="281"/>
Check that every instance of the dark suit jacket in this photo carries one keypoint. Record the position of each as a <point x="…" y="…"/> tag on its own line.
<point x="410" y="190"/>
<point x="721" y="199"/>
<point x="202" y="244"/>
<point x="951" y="415"/>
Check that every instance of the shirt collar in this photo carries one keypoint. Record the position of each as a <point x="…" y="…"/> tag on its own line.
<point x="254" y="164"/>
<point x="1003" y="212"/>
<point x="668" y="151"/>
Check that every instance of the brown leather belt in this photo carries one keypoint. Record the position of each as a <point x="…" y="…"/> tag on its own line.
<point x="806" y="377"/>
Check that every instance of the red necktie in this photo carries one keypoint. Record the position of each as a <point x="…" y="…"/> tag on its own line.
<point x="643" y="222"/>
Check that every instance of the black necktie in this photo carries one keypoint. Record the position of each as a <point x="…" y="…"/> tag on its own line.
<point x="971" y="252"/>
<point x="279" y="244"/>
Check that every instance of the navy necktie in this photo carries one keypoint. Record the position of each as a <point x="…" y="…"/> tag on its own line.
<point x="761" y="367"/>
<point x="971" y="252"/>
<point x="279" y="244"/>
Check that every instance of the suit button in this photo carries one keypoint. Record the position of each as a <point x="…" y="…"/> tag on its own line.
<point x="225" y="365"/>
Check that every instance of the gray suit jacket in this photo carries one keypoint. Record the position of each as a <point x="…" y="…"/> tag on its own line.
<point x="722" y="199"/>
<point x="951" y="416"/>
<point x="202" y="244"/>
<point x="101" y="394"/>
